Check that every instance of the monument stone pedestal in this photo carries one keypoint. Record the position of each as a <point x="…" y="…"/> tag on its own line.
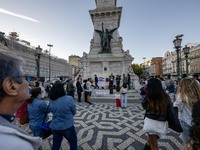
<point x="106" y="17"/>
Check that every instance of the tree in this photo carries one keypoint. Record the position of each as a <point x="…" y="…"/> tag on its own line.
<point x="137" y="69"/>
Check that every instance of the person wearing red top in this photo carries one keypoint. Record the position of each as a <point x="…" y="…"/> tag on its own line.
<point x="24" y="106"/>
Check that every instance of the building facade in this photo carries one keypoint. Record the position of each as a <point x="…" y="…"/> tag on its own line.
<point x="156" y="66"/>
<point x="170" y="61"/>
<point x="194" y="59"/>
<point x="50" y="66"/>
<point x="74" y="61"/>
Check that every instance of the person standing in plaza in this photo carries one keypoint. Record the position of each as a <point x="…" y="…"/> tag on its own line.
<point x="96" y="80"/>
<point x="63" y="109"/>
<point x="196" y="78"/>
<point x="79" y="88"/>
<point x="36" y="111"/>
<point x="143" y="90"/>
<point x="188" y="94"/>
<point x="111" y="82"/>
<point x="129" y="81"/>
<point x="123" y="92"/>
<point x="156" y="103"/>
<point x="13" y="93"/>
<point x="171" y="88"/>
<point x="88" y="90"/>
<point x="164" y="86"/>
<point x="71" y="88"/>
<point x="43" y="91"/>
<point x="24" y="107"/>
<point x="118" y="78"/>
<point x="124" y="79"/>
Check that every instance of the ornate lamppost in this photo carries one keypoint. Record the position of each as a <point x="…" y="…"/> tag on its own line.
<point x="177" y="44"/>
<point x="49" y="45"/>
<point x="38" y="53"/>
<point x="186" y="50"/>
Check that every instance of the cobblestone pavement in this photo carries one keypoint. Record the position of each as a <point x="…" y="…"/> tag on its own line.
<point x="103" y="126"/>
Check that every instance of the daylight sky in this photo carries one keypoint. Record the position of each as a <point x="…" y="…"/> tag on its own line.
<point x="147" y="27"/>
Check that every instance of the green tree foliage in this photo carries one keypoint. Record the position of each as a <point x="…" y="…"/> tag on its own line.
<point x="137" y="69"/>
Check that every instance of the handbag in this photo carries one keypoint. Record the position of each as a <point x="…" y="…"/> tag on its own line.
<point x="44" y="128"/>
<point x="23" y="118"/>
<point x="172" y="119"/>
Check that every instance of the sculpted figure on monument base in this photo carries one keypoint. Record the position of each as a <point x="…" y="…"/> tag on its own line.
<point x="106" y="36"/>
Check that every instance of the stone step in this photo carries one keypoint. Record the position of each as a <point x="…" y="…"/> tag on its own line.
<point x="105" y="94"/>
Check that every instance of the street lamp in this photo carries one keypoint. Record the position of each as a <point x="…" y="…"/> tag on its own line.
<point x="50" y="45"/>
<point x="177" y="44"/>
<point x="186" y="50"/>
<point x="38" y="53"/>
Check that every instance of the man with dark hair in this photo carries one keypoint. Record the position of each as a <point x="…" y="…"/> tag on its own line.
<point x="118" y="78"/>
<point x="111" y="81"/>
<point x="196" y="77"/>
<point x="96" y="80"/>
<point x="13" y="93"/>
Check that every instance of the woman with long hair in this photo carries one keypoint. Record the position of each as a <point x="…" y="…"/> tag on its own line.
<point x="63" y="110"/>
<point x="36" y="111"/>
<point x="194" y="131"/>
<point x="156" y="104"/>
<point x="188" y="94"/>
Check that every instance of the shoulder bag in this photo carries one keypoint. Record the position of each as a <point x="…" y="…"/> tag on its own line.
<point x="172" y="119"/>
<point x="45" y="129"/>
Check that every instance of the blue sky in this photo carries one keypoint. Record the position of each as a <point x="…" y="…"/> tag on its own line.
<point x="148" y="27"/>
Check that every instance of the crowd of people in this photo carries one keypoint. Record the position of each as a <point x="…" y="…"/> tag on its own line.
<point x="157" y="94"/>
<point x="16" y="94"/>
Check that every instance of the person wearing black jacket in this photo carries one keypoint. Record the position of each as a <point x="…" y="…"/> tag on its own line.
<point x="79" y="88"/>
<point x="156" y="104"/>
<point x="111" y="81"/>
<point x="96" y="80"/>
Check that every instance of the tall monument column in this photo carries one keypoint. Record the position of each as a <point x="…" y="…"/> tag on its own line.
<point x="106" y="53"/>
<point x="106" y="20"/>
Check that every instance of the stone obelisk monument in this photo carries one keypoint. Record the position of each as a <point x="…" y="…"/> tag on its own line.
<point x="106" y="53"/>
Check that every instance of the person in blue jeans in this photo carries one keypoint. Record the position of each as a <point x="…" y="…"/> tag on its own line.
<point x="36" y="111"/>
<point x="63" y="110"/>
